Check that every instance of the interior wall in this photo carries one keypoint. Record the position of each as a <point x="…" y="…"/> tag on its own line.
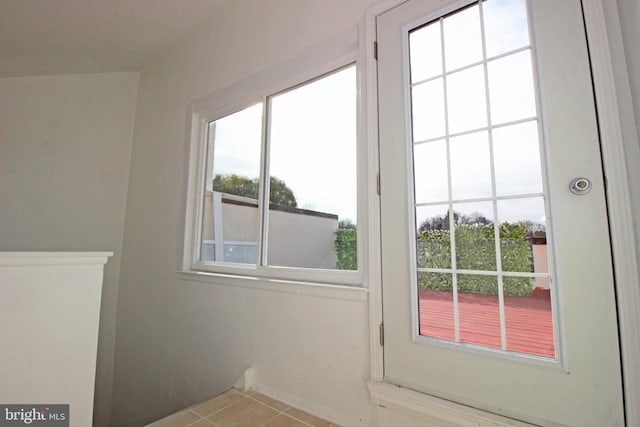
<point x="65" y="144"/>
<point x="181" y="341"/>
<point x="623" y="24"/>
<point x="624" y="33"/>
<point x="629" y="16"/>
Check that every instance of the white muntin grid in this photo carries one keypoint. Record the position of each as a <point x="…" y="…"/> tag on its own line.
<point x="449" y="204"/>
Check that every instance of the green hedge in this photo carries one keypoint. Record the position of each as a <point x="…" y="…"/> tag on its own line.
<point x="346" y="244"/>
<point x="475" y="250"/>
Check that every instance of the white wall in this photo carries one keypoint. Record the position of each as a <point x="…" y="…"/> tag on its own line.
<point x="179" y="341"/>
<point x="65" y="148"/>
<point x="626" y="25"/>
<point x="629" y="16"/>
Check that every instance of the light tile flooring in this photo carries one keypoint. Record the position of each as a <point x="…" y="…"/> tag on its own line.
<point x="239" y="409"/>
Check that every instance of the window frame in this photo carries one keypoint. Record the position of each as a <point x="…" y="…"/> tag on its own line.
<point x="558" y="361"/>
<point x="321" y="61"/>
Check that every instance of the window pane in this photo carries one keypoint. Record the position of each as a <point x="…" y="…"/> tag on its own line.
<point x="516" y="155"/>
<point x="430" y="170"/>
<point x="428" y="110"/>
<point x="480" y="170"/>
<point x="433" y="241"/>
<point x="466" y="100"/>
<point x="230" y="214"/>
<point x="470" y="166"/>
<point x="528" y="320"/>
<point x="511" y="88"/>
<point x="479" y="310"/>
<point x="475" y="237"/>
<point x="312" y="166"/>
<point x="523" y="243"/>
<point x="522" y="227"/>
<point x="462" y="38"/>
<point x="425" y="43"/>
<point x="505" y="26"/>
<point x="435" y="304"/>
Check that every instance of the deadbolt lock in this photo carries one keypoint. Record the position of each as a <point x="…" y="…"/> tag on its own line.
<point x="580" y="186"/>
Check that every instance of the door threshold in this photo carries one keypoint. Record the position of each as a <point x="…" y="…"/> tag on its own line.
<point x="436" y="409"/>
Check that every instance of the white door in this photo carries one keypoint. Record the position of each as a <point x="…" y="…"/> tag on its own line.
<point x="497" y="280"/>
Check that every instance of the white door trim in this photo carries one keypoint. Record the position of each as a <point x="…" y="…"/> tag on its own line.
<point x="625" y="251"/>
<point x="370" y="85"/>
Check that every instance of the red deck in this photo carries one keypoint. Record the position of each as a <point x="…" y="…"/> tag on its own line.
<point x="528" y="320"/>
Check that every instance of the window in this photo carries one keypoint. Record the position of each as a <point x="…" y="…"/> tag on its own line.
<point x="229" y="224"/>
<point x="482" y="263"/>
<point x="278" y="183"/>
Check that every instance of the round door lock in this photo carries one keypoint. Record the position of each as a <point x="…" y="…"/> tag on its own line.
<point x="580" y="186"/>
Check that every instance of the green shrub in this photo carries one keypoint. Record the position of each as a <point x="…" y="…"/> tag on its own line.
<point x="346" y="244"/>
<point x="475" y="250"/>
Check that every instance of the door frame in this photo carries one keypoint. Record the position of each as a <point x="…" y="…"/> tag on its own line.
<point x="602" y="42"/>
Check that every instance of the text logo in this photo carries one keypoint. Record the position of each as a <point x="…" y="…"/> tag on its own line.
<point x="34" y="415"/>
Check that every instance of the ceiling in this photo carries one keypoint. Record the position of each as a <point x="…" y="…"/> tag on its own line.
<point x="83" y="36"/>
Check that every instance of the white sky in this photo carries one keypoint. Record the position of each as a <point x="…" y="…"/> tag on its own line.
<point x="313" y="143"/>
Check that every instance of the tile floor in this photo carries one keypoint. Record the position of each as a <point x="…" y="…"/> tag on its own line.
<point x="241" y="409"/>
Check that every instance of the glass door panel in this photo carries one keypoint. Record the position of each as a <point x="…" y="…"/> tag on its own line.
<point x="487" y="168"/>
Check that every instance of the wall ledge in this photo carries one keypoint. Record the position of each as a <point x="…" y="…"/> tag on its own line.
<point x="53" y="258"/>
<point x="341" y="292"/>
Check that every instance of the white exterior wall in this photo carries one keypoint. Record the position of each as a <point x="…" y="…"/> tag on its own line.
<point x="541" y="263"/>
<point x="296" y="239"/>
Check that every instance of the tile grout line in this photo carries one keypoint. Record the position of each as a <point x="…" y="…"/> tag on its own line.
<point x="251" y="397"/>
<point x="198" y="420"/>
<point x="220" y="409"/>
<point x="269" y="406"/>
<point x="286" y="415"/>
<point x="297" y="419"/>
<point x="194" y="412"/>
<point x="270" y="419"/>
<point x="279" y="412"/>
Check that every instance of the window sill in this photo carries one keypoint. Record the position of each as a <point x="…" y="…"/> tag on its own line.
<point x="322" y="290"/>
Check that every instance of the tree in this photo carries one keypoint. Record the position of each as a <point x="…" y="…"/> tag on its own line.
<point x="238" y="185"/>
<point x="280" y="193"/>
<point x="441" y="222"/>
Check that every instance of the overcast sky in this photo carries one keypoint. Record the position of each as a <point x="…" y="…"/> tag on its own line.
<point x="312" y="143"/>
